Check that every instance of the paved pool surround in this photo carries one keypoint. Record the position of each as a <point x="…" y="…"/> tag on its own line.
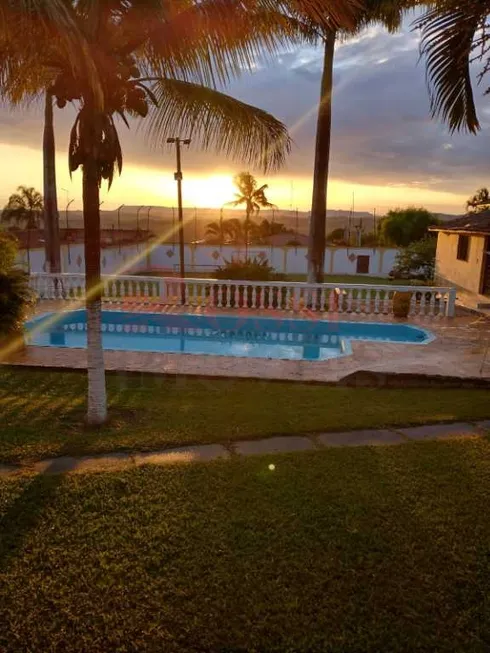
<point x="459" y="349"/>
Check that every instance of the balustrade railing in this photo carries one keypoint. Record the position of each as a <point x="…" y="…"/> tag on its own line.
<point x="336" y="298"/>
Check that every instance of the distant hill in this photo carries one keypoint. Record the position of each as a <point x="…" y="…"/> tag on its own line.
<point x="163" y="220"/>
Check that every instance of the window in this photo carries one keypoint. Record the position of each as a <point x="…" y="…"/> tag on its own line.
<point x="463" y="248"/>
<point x="362" y="265"/>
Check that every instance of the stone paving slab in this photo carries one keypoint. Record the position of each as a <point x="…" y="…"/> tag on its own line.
<point x="440" y="431"/>
<point x="281" y="444"/>
<point x="105" y="462"/>
<point x="369" y="437"/>
<point x="182" y="455"/>
<point x="484" y="425"/>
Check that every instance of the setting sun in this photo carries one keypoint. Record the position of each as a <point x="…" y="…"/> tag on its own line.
<point x="209" y="192"/>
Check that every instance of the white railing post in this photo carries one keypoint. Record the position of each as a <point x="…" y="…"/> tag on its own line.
<point x="451" y="302"/>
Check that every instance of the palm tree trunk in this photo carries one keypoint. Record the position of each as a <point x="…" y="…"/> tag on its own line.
<point x="97" y="399"/>
<point x="317" y="236"/>
<point x="51" y="217"/>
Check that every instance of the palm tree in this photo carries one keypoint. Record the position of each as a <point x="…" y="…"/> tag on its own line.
<point x="253" y="197"/>
<point x="144" y="57"/>
<point x="454" y="35"/>
<point x="219" y="231"/>
<point x="388" y="12"/>
<point x="479" y="202"/>
<point x="24" y="208"/>
<point x="51" y="215"/>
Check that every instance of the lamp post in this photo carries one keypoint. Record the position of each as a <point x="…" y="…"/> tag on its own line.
<point x="221" y="234"/>
<point x="119" y="225"/>
<point x="148" y="219"/>
<point x="178" y="178"/>
<point x="67" y="228"/>
<point x="138" y="220"/>
<point x="138" y="228"/>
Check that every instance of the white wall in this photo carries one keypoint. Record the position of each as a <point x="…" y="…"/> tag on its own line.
<point x="130" y="259"/>
<point x="206" y="258"/>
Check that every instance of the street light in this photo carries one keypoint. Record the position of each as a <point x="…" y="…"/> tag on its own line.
<point x="119" y="225"/>
<point x="148" y="219"/>
<point x="138" y="219"/>
<point x="67" y="228"/>
<point x="178" y="178"/>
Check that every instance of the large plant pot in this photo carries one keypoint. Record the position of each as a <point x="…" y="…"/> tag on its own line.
<point x="401" y="304"/>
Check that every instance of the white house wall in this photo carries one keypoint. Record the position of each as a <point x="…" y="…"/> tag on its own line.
<point x="205" y="258"/>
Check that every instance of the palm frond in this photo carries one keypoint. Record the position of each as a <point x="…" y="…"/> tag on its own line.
<point x="329" y="14"/>
<point x="237" y="202"/>
<point x="214" y="40"/>
<point x="448" y="41"/>
<point x="218" y="121"/>
<point x="29" y="30"/>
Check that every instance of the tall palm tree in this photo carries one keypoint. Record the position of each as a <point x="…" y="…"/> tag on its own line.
<point x="253" y="197"/>
<point x="389" y="13"/>
<point x="479" y="202"/>
<point x="51" y="215"/>
<point x="147" y="61"/>
<point x="24" y="208"/>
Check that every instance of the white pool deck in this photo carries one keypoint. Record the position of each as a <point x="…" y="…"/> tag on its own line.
<point x="460" y="349"/>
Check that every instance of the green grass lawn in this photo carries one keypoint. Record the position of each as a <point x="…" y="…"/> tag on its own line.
<point x="42" y="413"/>
<point x="348" y="550"/>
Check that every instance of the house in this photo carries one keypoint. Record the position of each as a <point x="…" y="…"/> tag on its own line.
<point x="463" y="253"/>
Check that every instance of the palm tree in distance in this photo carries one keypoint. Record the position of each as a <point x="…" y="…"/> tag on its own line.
<point x="479" y="202"/>
<point x="251" y="196"/>
<point x="24" y="208"/>
<point x="389" y="13"/>
<point x="219" y="232"/>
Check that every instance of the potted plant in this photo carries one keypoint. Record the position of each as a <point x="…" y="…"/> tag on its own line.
<point x="15" y="299"/>
<point x="401" y="304"/>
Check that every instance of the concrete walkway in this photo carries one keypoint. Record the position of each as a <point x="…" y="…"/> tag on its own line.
<point x="282" y="444"/>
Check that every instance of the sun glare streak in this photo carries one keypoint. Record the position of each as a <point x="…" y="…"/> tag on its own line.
<point x="13" y="346"/>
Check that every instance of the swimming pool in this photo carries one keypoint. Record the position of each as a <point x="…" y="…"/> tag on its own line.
<point x="241" y="336"/>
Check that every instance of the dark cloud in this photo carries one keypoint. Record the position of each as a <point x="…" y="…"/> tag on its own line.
<point x="382" y="131"/>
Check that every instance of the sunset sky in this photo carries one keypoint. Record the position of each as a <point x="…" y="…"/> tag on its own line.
<point x="385" y="148"/>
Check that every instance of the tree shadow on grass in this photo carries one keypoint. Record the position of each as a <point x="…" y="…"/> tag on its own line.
<point x="24" y="514"/>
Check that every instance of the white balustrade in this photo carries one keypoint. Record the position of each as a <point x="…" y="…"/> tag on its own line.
<point x="332" y="298"/>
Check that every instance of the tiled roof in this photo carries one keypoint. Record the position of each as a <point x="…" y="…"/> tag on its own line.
<point x="472" y="223"/>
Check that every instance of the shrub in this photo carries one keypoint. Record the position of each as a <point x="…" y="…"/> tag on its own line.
<point x="337" y="236"/>
<point x="15" y="294"/>
<point x="8" y="252"/>
<point x="417" y="261"/>
<point x="256" y="269"/>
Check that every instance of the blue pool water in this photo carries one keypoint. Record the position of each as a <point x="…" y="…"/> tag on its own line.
<point x="251" y="337"/>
